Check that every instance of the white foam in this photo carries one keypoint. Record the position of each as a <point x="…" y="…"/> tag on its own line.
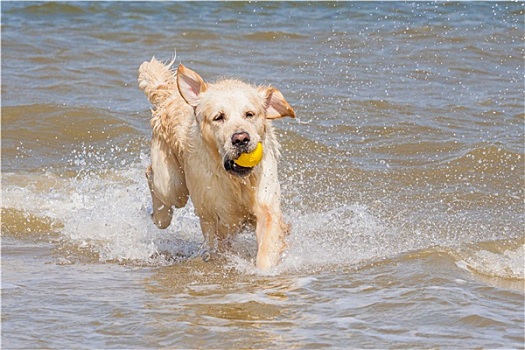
<point x="108" y="212"/>
<point x="337" y="236"/>
<point x="509" y="264"/>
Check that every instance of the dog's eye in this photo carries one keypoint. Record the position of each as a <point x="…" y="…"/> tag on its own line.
<point x="219" y="117"/>
<point x="250" y="114"/>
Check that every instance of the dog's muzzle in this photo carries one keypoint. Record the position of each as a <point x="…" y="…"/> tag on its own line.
<point x="240" y="141"/>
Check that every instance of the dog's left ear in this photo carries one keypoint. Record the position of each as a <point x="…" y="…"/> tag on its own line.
<point x="276" y="105"/>
<point x="190" y="85"/>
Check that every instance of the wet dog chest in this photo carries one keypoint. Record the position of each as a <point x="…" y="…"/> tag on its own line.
<point x="219" y="199"/>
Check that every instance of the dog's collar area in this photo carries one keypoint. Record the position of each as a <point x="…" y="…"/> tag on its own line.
<point x="236" y="169"/>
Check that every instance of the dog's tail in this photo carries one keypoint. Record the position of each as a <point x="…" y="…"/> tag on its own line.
<point x="157" y="80"/>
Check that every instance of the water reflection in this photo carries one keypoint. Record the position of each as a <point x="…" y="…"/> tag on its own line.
<point x="240" y="310"/>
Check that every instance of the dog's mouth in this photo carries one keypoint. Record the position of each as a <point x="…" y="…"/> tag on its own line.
<point x="236" y="169"/>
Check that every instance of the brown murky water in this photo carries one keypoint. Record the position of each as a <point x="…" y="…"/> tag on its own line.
<point x="403" y="178"/>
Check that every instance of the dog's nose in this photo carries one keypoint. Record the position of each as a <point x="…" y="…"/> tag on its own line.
<point x="240" y="139"/>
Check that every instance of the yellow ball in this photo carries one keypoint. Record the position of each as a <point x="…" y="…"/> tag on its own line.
<point x="249" y="160"/>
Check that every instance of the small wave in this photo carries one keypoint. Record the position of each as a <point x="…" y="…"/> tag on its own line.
<point x="490" y="159"/>
<point x="53" y="8"/>
<point x="500" y="259"/>
<point x="20" y="224"/>
<point x="38" y="142"/>
<point x="199" y="34"/>
<point x="273" y="35"/>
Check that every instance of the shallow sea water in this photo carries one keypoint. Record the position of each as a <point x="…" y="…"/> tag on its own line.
<point x="402" y="177"/>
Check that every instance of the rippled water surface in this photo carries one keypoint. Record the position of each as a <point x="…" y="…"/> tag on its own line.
<point x="402" y="177"/>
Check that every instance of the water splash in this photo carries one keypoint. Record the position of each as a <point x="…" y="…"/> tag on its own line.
<point x="108" y="213"/>
<point x="104" y="209"/>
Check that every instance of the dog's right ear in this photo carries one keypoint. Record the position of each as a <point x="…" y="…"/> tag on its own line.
<point x="276" y="105"/>
<point x="190" y="85"/>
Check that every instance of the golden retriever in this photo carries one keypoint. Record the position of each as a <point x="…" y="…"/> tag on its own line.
<point x="199" y="130"/>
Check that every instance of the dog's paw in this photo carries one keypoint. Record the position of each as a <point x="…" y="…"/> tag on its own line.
<point x="203" y="252"/>
<point x="206" y="256"/>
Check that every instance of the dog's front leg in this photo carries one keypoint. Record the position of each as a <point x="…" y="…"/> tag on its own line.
<point x="271" y="229"/>
<point x="209" y="232"/>
<point x="215" y="239"/>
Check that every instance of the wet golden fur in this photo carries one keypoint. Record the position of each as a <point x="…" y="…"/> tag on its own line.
<point x="193" y="123"/>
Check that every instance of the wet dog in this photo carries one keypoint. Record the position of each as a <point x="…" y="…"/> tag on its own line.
<point x="199" y="130"/>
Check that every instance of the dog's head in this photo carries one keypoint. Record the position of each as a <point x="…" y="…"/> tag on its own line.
<point x="231" y="114"/>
